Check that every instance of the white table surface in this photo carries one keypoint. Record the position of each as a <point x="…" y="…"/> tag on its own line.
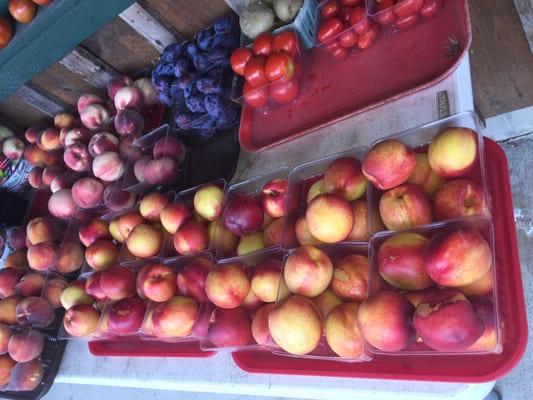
<point x="219" y="374"/>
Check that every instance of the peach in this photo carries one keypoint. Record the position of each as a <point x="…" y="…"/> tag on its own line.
<point x="116" y="83"/>
<point x="400" y="260"/>
<point x="117" y="199"/>
<point x="8" y="309"/>
<point x="415" y="297"/>
<point x="94" y="116"/>
<point x="260" y="330"/>
<point x="175" y="318"/>
<point x="77" y="157"/>
<point x="145" y="241"/>
<point x="128" y="150"/>
<point x="36" y="312"/>
<point x="108" y="166"/>
<point x="148" y="91"/>
<point x="459" y="198"/>
<point x="50" y="173"/>
<point x="446" y="321"/>
<point x="151" y="206"/>
<point x="52" y="291"/>
<point x="52" y="157"/>
<point x="101" y="254"/>
<point x="389" y="163"/>
<point x="191" y="279"/>
<point x="303" y="235"/>
<point x="35" y="178"/>
<point x="266" y="280"/>
<point x="161" y="171"/>
<point x="34" y="155"/>
<point x="485" y="310"/>
<point x="42" y="256"/>
<point x="118" y="282"/>
<point x="169" y="147"/>
<point x="424" y="176"/>
<point x="191" y="237"/>
<point x="88" y="192"/>
<point x="342" y="331"/>
<point x="316" y="189"/>
<point x="230" y="328"/>
<point x="93" y="230"/>
<point x="295" y="325"/>
<point x="86" y="100"/>
<point x="26" y="376"/>
<point x="63" y="181"/>
<point x="128" y="97"/>
<point x="308" y="271"/>
<point x="404" y="207"/>
<point x="81" y="320"/>
<point x="156" y="282"/>
<point x="360" y="225"/>
<point x="128" y="221"/>
<point x="243" y="215"/>
<point x="453" y="152"/>
<point x="326" y="301"/>
<point x="456" y="258"/>
<point x="208" y="202"/>
<point x="115" y="232"/>
<point x="350" y="278"/>
<point x="227" y="285"/>
<point x="71" y="256"/>
<point x="31" y="134"/>
<point x="173" y="215"/>
<point x="482" y="287"/>
<point x="25" y="345"/>
<point x="9" y="277"/>
<point x="267" y="219"/>
<point x="63" y="135"/>
<point x="5" y="334"/>
<point x="273" y="196"/>
<point x="6" y="367"/>
<point x="92" y="286"/>
<point x="74" y="294"/>
<point x="103" y="142"/>
<point x="13" y="148"/>
<point x="250" y="243"/>
<point x="126" y="316"/>
<point x="49" y="139"/>
<point x="129" y="123"/>
<point x="221" y="238"/>
<point x="16" y="260"/>
<point x="77" y="136"/>
<point x="385" y="321"/>
<point x="329" y="218"/>
<point x="64" y="120"/>
<point x="345" y="177"/>
<point x="30" y="285"/>
<point x="272" y="233"/>
<point x="41" y="229"/>
<point x="251" y="302"/>
<point x="139" y="167"/>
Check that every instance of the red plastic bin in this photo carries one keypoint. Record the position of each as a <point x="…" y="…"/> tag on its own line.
<point x="442" y="368"/>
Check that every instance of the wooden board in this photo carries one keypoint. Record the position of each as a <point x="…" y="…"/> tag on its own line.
<point x="19" y="113"/>
<point x="525" y="12"/>
<point x="502" y="63"/>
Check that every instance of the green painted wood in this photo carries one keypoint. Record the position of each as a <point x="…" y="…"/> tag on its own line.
<point x="54" y="32"/>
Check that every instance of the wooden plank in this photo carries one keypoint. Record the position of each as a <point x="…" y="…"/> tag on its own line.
<point x="118" y="45"/>
<point x="17" y="111"/>
<point x="501" y="61"/>
<point x="54" y="33"/>
<point x="38" y="100"/>
<point x="187" y="16"/>
<point x="93" y="70"/>
<point x="148" y="26"/>
<point x="525" y="12"/>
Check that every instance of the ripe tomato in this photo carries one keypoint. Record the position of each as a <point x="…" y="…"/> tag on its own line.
<point x="254" y="72"/>
<point x="404" y="8"/>
<point x="366" y="39"/>
<point x="6" y="32"/>
<point x="284" y="91"/>
<point x="385" y="12"/>
<point x="351" y="3"/>
<point x="239" y="59"/>
<point x="340" y="54"/>
<point x="287" y="41"/>
<point x="430" y="8"/>
<point x="330" y="9"/>
<point x="344" y="14"/>
<point x="406" y="22"/>
<point x="22" y="11"/>
<point x="329" y="29"/>
<point x="348" y="38"/>
<point x="255" y="97"/>
<point x="359" y="20"/>
<point x="263" y="44"/>
<point x="279" y="65"/>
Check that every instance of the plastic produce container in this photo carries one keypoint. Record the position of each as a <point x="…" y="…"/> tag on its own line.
<point x="403" y="14"/>
<point x="250" y="187"/>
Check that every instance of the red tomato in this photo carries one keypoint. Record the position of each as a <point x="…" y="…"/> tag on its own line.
<point x="284" y="91"/>
<point x="359" y="20"/>
<point x="239" y="59"/>
<point x="430" y="8"/>
<point x="263" y="44"/>
<point x="330" y="9"/>
<point x="406" y="22"/>
<point x="366" y="39"/>
<point x="279" y="65"/>
<point x="332" y="46"/>
<point x="404" y="8"/>
<point x="385" y="12"/>
<point x="344" y="14"/>
<point x="255" y="97"/>
<point x="348" y="38"/>
<point x="254" y="72"/>
<point x="340" y="54"/>
<point x="329" y="29"/>
<point x="287" y="41"/>
<point x="351" y="3"/>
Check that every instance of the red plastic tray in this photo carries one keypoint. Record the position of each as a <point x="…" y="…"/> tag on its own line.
<point x="468" y="368"/>
<point x="397" y="65"/>
<point x="135" y="347"/>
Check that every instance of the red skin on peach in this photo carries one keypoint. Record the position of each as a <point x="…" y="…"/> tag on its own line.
<point x="459" y="198"/>
<point x="42" y="256"/>
<point x="446" y="321"/>
<point x="424" y="176"/>
<point x="191" y="238"/>
<point x="308" y="271"/>
<point x="342" y="331"/>
<point x="175" y="318"/>
<point x="350" y="278"/>
<point x="156" y="282"/>
<point x="25" y="345"/>
<point x="126" y="316"/>
<point x="92" y="286"/>
<point x="26" y="376"/>
<point x="30" y="285"/>
<point x="273" y="197"/>
<point x="174" y="215"/>
<point x="81" y="320"/>
<point x="385" y="321"/>
<point x="272" y="233"/>
<point x="117" y="199"/>
<point x="453" y="152"/>
<point x="401" y="261"/>
<point x="88" y="192"/>
<point x="9" y="277"/>
<point x="404" y="207"/>
<point x="260" y="330"/>
<point x="329" y="218"/>
<point x="145" y="241"/>
<point x="35" y="312"/>
<point x="345" y="177"/>
<point x="41" y="229"/>
<point x="161" y="171"/>
<point x="94" y="230"/>
<point x="457" y="258"/>
<point x="229" y="328"/>
<point x="118" y="282"/>
<point x="227" y="285"/>
<point x="151" y="206"/>
<point x="389" y="163"/>
<point x="34" y="155"/>
<point x="169" y="147"/>
<point x="101" y="254"/>
<point x="61" y="204"/>
<point x="485" y="310"/>
<point x="243" y="215"/>
<point x="266" y="280"/>
<point x="191" y="279"/>
<point x="77" y="157"/>
<point x="116" y="83"/>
